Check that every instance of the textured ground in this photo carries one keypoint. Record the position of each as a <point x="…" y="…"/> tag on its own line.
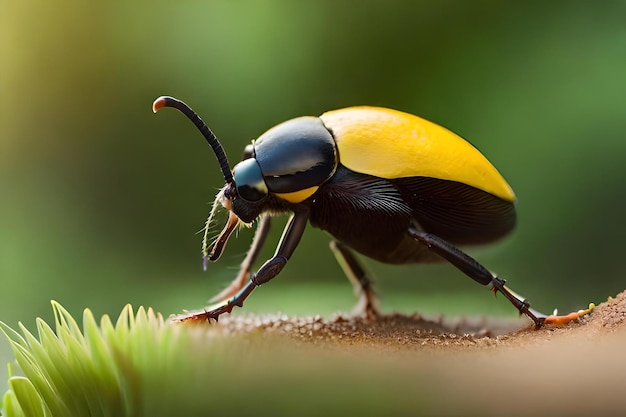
<point x="402" y="331"/>
<point x="489" y="366"/>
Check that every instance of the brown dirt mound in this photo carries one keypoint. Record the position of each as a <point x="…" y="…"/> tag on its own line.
<point x="403" y="331"/>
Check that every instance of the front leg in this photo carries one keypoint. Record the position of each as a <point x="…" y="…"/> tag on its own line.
<point x="269" y="270"/>
<point x="245" y="269"/>
<point x="287" y="245"/>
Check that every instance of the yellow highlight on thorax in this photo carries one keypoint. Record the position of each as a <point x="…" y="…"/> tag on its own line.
<point x="298" y="196"/>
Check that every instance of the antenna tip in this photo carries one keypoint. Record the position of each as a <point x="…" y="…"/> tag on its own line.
<point x="159" y="103"/>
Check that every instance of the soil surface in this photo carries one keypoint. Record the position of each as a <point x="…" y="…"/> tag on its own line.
<point x="404" y="331"/>
<point x="499" y="367"/>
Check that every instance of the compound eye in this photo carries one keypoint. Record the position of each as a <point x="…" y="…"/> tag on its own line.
<point x="249" y="180"/>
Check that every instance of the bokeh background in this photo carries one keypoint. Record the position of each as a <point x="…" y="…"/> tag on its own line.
<point x="101" y="201"/>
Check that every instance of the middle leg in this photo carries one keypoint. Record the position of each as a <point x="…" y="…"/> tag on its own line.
<point x="367" y="306"/>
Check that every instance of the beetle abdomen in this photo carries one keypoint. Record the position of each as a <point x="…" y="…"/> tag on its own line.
<point x="372" y="215"/>
<point x="455" y="211"/>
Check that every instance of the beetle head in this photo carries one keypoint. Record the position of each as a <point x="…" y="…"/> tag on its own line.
<point x="287" y="164"/>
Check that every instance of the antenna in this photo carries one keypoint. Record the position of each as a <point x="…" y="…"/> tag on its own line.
<point x="166" y="101"/>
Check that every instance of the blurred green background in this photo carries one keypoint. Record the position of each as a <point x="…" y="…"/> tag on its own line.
<point x="102" y="201"/>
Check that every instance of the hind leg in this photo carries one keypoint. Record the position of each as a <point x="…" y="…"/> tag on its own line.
<point x="480" y="274"/>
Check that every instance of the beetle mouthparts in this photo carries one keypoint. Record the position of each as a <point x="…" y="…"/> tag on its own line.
<point x="216" y="249"/>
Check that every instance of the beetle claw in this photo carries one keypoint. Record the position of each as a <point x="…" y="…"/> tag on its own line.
<point x="556" y="320"/>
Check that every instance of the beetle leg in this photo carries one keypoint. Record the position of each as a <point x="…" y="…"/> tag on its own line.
<point x="479" y="273"/>
<point x="288" y="243"/>
<point x="243" y="276"/>
<point x="474" y="270"/>
<point x="367" y="305"/>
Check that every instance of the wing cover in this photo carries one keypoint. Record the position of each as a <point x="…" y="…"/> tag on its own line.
<point x="391" y="144"/>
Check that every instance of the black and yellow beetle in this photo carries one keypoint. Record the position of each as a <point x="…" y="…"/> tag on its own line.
<point x="389" y="185"/>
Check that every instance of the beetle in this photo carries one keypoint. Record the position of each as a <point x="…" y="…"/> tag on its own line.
<point x="386" y="184"/>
